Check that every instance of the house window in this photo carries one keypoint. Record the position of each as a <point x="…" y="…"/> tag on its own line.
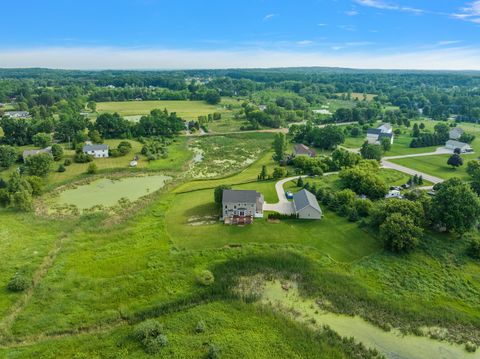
<point x="242" y="213"/>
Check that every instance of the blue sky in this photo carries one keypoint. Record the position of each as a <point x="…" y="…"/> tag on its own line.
<point x="436" y="34"/>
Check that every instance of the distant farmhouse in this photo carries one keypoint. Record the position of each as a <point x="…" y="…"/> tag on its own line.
<point x="97" y="151"/>
<point x="463" y="147"/>
<point x="375" y="135"/>
<point x="17" y="114"/>
<point x="241" y="207"/>
<point x="306" y="205"/>
<point x="302" y="150"/>
<point x="29" y="153"/>
<point x="456" y="133"/>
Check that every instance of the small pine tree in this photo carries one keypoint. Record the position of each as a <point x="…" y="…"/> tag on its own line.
<point x="415" y="179"/>
<point x="420" y="180"/>
<point x="300" y="182"/>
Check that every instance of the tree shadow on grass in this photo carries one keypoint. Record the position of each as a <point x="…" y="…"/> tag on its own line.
<point x="203" y="210"/>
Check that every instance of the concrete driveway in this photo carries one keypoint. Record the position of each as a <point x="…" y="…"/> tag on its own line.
<point x="283" y="206"/>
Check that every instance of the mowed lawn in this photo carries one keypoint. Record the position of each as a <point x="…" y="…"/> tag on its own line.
<point x="436" y="165"/>
<point x="185" y="109"/>
<point x="192" y="223"/>
<point x="401" y="146"/>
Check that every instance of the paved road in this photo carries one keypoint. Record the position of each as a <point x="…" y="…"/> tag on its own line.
<point x="394" y="166"/>
<point x="438" y="151"/>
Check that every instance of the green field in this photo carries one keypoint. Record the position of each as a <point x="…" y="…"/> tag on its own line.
<point x="436" y="165"/>
<point x="188" y="110"/>
<point x="97" y="275"/>
<point x="331" y="236"/>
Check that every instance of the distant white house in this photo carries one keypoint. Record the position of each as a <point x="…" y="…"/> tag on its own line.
<point x="394" y="194"/>
<point x="453" y="145"/>
<point x="306" y="205"/>
<point x="17" y="114"/>
<point x="29" y="153"/>
<point x="456" y="133"/>
<point x="262" y="107"/>
<point x="375" y="135"/>
<point x="97" y="151"/>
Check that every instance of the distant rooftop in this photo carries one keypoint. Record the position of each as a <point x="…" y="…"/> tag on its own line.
<point x="88" y="148"/>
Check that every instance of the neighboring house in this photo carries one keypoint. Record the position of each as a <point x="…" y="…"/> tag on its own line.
<point x="456" y="133"/>
<point x="301" y="150"/>
<point x="97" y="151"/>
<point x="17" y="114"/>
<point x="464" y="147"/>
<point x="262" y="107"/>
<point x="28" y="153"/>
<point x="375" y="135"/>
<point x="394" y="194"/>
<point x="241" y="207"/>
<point x="306" y="205"/>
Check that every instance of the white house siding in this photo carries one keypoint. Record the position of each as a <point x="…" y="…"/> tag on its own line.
<point x="372" y="139"/>
<point x="99" y="154"/>
<point x="309" y="213"/>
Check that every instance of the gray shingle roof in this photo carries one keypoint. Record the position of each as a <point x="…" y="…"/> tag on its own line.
<point x="305" y="198"/>
<point x="301" y="149"/>
<point x="457" y="130"/>
<point x="236" y="196"/>
<point x="457" y="144"/>
<point x="88" y="148"/>
<point x="374" y="131"/>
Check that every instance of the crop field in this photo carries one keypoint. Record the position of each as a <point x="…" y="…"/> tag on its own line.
<point x="188" y="110"/>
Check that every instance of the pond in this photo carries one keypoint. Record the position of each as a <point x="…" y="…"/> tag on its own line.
<point x="392" y="344"/>
<point x="107" y="192"/>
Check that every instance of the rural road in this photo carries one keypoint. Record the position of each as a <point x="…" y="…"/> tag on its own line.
<point x="438" y="151"/>
<point x="394" y="166"/>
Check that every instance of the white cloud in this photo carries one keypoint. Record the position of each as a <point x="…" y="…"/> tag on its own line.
<point x="321" y="24"/>
<point x="348" y="27"/>
<point x="382" y="5"/>
<point x="305" y="42"/>
<point x="352" y="13"/>
<point x="449" y="42"/>
<point x="124" y="58"/>
<point x="471" y="12"/>
<point x="269" y="17"/>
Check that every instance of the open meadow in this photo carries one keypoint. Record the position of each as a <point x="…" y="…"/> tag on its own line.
<point x="188" y="110"/>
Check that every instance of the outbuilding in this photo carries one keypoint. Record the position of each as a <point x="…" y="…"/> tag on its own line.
<point x="463" y="147"/>
<point x="306" y="205"/>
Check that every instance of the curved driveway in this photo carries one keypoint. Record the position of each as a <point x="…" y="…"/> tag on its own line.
<point x="284" y="206"/>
